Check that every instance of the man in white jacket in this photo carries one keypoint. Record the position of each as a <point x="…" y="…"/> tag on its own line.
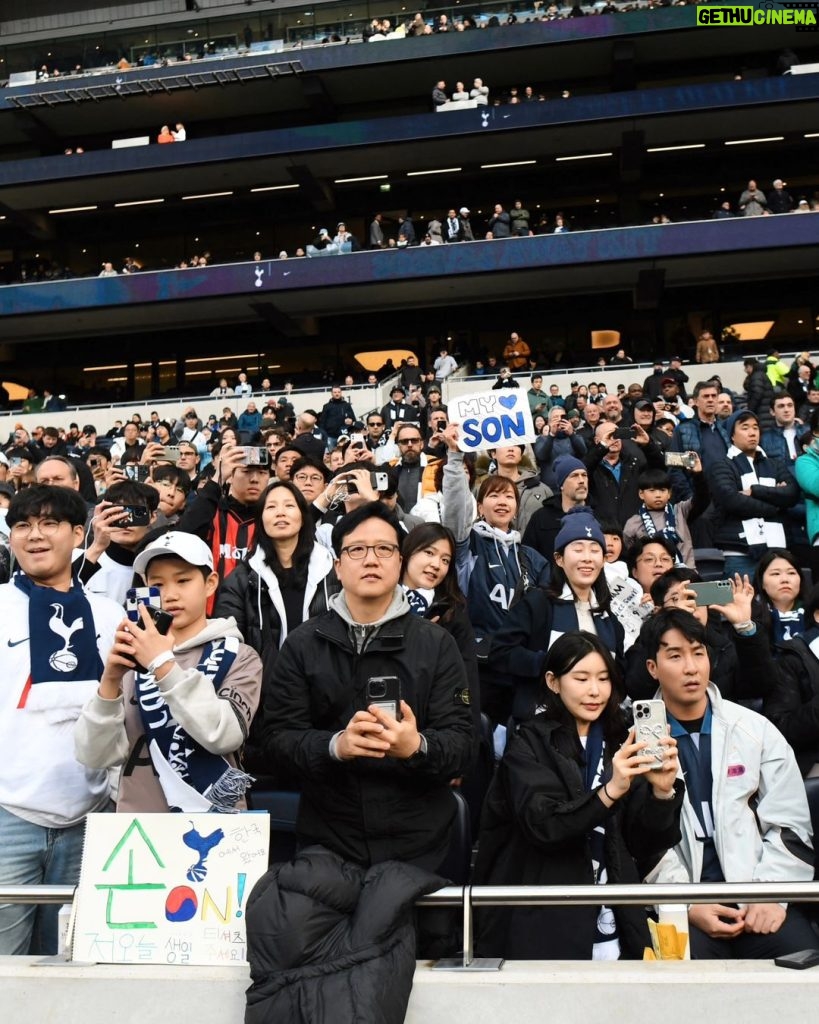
<point x="745" y="816"/>
<point x="57" y="638"/>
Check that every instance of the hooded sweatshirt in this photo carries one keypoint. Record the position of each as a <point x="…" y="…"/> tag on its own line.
<point x="110" y="733"/>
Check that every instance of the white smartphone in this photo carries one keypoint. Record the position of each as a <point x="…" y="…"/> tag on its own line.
<point x="650" y="725"/>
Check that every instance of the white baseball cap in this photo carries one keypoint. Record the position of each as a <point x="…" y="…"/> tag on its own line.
<point x="186" y="546"/>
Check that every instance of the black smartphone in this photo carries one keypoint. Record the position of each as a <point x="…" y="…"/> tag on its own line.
<point x="622" y="434"/>
<point x="134" y="515"/>
<point x="799" y="961"/>
<point x="385" y="692"/>
<point x="133" y="471"/>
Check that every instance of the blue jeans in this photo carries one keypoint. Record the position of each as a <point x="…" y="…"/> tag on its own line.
<point x="34" y="855"/>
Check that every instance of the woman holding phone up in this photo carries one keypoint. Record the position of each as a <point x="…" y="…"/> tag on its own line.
<point x="575" y="802"/>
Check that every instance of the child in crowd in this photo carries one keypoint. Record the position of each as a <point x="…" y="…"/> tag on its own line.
<point x="628" y="602"/>
<point x="657" y="515"/>
<point x="177" y="721"/>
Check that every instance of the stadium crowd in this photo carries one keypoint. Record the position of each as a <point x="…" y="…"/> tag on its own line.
<point x="339" y="601"/>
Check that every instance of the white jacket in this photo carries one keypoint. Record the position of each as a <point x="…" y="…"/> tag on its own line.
<point x="762" y="828"/>
<point x="41" y="780"/>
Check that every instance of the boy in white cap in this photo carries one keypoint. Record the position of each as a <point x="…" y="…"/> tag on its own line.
<point x="176" y="721"/>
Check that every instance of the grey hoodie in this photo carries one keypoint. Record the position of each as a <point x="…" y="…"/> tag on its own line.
<point x="110" y="733"/>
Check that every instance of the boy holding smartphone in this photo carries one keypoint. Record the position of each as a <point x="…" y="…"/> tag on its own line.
<point x="177" y="722"/>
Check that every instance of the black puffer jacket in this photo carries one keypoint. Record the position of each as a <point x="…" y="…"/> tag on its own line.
<point x="793" y="706"/>
<point x="332" y="943"/>
<point x="366" y="809"/>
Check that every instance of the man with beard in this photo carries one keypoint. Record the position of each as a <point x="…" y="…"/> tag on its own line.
<point x="572" y="481"/>
<point x="411" y="465"/>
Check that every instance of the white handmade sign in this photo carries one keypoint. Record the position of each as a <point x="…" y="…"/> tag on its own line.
<point x="492" y="419"/>
<point x="168" y="888"/>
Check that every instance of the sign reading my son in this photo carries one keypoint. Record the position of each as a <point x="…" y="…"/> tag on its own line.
<point x="492" y="419"/>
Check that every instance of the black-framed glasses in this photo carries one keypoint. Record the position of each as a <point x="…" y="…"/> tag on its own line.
<point x="375" y="423"/>
<point x="359" y="551"/>
<point x="410" y="440"/>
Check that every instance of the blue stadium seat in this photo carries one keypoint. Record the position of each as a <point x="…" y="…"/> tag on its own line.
<point x="458" y="861"/>
<point x="710" y="563"/>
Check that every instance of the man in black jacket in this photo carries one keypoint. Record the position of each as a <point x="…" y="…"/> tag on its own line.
<point x="572" y="480"/>
<point x="375" y="781"/>
<point x="333" y="414"/>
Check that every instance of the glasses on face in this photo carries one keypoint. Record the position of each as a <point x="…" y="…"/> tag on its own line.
<point x="409" y="440"/>
<point x="359" y="551"/>
<point x="312" y="478"/>
<point x="47" y="527"/>
<point x="375" y="423"/>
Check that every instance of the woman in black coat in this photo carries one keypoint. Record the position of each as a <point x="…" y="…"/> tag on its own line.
<point x="573" y="803"/>
<point x="287" y="579"/>
<point x="793" y="705"/>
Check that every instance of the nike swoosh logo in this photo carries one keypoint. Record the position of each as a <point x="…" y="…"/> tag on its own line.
<point x="16" y="643"/>
<point x="491" y="566"/>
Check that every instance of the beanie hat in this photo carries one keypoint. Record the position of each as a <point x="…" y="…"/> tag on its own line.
<point x="734" y="418"/>
<point x="564" y="466"/>
<point x="579" y="524"/>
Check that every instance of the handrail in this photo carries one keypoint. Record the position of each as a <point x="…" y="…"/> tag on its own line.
<point x="468" y="897"/>
<point x="636" y="894"/>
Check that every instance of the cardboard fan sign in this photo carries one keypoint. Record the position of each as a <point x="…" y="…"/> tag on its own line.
<point x="168" y="888"/>
<point x="492" y="419"/>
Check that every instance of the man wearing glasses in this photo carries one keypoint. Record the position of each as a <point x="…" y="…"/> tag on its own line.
<point x="375" y="776"/>
<point x="377" y="436"/>
<point x="416" y="470"/>
<point x="55" y="640"/>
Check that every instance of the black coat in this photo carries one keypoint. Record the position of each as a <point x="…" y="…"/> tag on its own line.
<point x="544" y="527"/>
<point x="366" y="809"/>
<point x="793" y="705"/>
<point x="331" y="943"/>
<point x="535" y="831"/>
<point x="619" y="502"/>
<point x="732" y="506"/>
<point x="760" y="393"/>
<point x="244" y="595"/>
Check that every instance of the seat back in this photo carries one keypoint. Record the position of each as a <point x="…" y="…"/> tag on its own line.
<point x="710" y="563"/>
<point x="458" y="861"/>
<point x="283" y="807"/>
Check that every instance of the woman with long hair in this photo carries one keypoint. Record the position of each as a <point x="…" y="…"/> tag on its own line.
<point x="575" y="802"/>
<point x="793" y="705"/>
<point x="288" y="578"/>
<point x="576" y="598"/>
<point x="778" y="607"/>
<point x="494" y="569"/>
<point x="430" y="579"/>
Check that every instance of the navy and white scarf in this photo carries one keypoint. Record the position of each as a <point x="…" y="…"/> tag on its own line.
<point x="606" y="945"/>
<point x="192" y="778"/>
<point x="420" y="600"/>
<point x="62" y="634"/>
<point x="669" y="531"/>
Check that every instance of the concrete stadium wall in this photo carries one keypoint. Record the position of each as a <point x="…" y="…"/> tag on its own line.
<point x="569" y="992"/>
<point x="363" y="399"/>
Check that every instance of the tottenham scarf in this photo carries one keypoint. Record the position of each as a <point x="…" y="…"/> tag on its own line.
<point x="606" y="944"/>
<point x="420" y="601"/>
<point x="62" y="635"/>
<point x="192" y="778"/>
<point x="669" y="531"/>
